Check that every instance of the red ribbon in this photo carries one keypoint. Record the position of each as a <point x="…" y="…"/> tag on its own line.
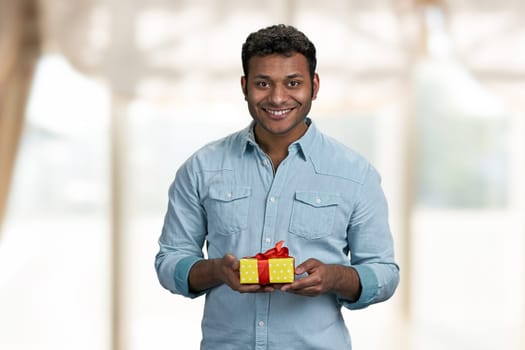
<point x="262" y="261"/>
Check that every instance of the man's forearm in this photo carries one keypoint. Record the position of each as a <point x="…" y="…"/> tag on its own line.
<point x="203" y="275"/>
<point x="347" y="283"/>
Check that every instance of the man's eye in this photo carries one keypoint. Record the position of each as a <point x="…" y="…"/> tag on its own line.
<point x="262" y="84"/>
<point x="294" y="83"/>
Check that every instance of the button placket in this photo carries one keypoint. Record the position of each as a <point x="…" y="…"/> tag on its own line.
<point x="262" y="302"/>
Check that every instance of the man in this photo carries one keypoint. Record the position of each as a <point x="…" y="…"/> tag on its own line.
<point x="278" y="179"/>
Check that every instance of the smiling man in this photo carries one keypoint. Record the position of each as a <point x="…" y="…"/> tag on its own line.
<point x="278" y="179"/>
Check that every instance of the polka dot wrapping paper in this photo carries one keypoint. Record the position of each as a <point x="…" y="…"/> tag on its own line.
<point x="280" y="270"/>
<point x="272" y="266"/>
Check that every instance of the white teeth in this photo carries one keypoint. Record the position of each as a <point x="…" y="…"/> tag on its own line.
<point x="279" y="112"/>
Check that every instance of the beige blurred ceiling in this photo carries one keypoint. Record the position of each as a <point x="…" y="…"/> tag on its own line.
<point x="133" y="42"/>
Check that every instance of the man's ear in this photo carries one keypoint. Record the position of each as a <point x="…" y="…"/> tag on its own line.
<point x="315" y="86"/>
<point x="244" y="87"/>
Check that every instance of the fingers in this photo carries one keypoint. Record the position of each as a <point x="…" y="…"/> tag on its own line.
<point x="307" y="266"/>
<point x="230" y="269"/>
<point x="305" y="286"/>
<point x="248" y="288"/>
<point x="316" y="283"/>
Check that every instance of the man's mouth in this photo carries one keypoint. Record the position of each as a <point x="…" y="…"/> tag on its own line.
<point x="278" y="112"/>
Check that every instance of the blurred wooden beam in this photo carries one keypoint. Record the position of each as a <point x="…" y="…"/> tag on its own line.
<point x="20" y="45"/>
<point x="118" y="340"/>
<point x="122" y="85"/>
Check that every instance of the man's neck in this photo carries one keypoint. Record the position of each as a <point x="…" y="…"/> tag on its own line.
<point x="276" y="146"/>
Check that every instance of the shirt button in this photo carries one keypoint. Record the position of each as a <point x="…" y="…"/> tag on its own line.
<point x="261" y="323"/>
<point x="318" y="200"/>
<point x="272" y="199"/>
<point x="267" y="240"/>
<point x="229" y="194"/>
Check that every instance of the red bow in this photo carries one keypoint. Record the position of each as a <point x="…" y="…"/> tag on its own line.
<point x="262" y="261"/>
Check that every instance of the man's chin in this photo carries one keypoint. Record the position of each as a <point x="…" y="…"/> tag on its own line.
<point x="279" y="130"/>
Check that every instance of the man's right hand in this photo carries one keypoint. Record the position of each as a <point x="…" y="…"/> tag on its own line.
<point x="210" y="273"/>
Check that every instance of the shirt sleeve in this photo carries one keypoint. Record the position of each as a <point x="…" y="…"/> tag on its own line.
<point x="371" y="245"/>
<point x="183" y="233"/>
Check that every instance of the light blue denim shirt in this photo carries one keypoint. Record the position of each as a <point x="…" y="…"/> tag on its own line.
<point x="325" y="201"/>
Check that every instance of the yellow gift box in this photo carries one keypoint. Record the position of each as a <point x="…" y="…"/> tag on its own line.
<point x="277" y="270"/>
<point x="273" y="266"/>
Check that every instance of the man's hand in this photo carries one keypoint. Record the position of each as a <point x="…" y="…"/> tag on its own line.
<point x="210" y="273"/>
<point x="228" y="270"/>
<point x="323" y="278"/>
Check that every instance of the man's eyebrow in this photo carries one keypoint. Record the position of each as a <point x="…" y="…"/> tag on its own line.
<point x="293" y="76"/>
<point x="267" y="77"/>
<point x="262" y="76"/>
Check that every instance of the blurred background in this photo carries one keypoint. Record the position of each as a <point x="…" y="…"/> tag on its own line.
<point x="102" y="100"/>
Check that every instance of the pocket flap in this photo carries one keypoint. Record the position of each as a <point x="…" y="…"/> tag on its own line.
<point x="318" y="199"/>
<point x="229" y="193"/>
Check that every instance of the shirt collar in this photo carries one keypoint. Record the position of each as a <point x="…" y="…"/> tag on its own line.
<point x="248" y="138"/>
<point x="305" y="144"/>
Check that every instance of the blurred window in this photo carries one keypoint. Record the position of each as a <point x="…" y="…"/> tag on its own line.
<point x="54" y="281"/>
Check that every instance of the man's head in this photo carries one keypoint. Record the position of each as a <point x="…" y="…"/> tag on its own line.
<point x="280" y="82"/>
<point x="278" y="39"/>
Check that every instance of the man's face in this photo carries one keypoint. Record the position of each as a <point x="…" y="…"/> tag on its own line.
<point x="279" y="92"/>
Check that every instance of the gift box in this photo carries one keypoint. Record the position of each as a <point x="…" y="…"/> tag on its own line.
<point x="272" y="266"/>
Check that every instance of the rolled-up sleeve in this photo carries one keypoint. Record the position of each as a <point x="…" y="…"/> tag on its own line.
<point x="183" y="233"/>
<point x="371" y="245"/>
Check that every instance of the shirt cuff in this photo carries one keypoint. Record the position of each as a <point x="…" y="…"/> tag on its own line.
<point x="182" y="273"/>
<point x="369" y="288"/>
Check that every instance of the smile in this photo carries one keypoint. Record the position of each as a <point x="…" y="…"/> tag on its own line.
<point x="278" y="112"/>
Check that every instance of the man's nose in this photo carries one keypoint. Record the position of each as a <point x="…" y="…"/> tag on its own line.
<point x="278" y="94"/>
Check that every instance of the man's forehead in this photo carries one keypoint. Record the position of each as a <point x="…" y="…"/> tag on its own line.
<point x="294" y="64"/>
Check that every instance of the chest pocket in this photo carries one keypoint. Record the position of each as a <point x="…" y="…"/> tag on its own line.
<point x="227" y="209"/>
<point x="313" y="214"/>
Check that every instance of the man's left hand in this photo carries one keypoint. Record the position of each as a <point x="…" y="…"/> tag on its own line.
<point x="323" y="278"/>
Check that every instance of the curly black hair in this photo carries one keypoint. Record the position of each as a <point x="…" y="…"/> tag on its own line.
<point x="280" y="39"/>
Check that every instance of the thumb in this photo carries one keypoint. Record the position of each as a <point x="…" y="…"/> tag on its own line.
<point x="232" y="261"/>
<point x="307" y="266"/>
